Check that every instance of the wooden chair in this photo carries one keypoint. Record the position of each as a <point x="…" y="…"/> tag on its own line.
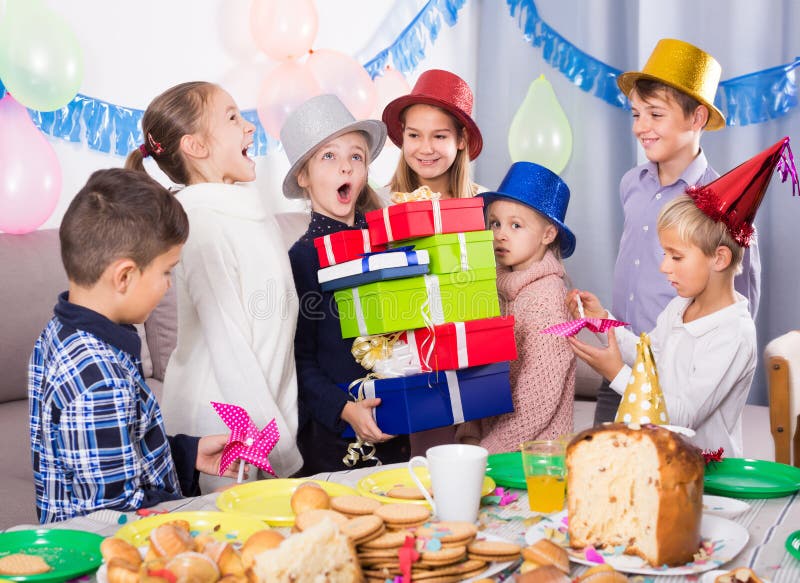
<point x="782" y="363"/>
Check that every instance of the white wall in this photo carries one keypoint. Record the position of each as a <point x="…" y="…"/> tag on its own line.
<point x="135" y="50"/>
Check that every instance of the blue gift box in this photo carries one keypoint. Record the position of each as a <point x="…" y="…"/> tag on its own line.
<point x="438" y="399"/>
<point x="373" y="276"/>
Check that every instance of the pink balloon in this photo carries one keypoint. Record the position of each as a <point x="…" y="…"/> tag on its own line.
<point x="388" y="87"/>
<point x="287" y="86"/>
<point x="284" y="29"/>
<point x="341" y="75"/>
<point x="30" y="175"/>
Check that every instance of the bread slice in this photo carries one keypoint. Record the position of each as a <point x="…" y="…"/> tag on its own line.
<point x="319" y="554"/>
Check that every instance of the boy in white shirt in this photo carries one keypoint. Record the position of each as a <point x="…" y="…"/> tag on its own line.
<point x="704" y="341"/>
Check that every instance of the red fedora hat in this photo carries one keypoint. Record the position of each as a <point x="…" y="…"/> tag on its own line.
<point x="442" y="89"/>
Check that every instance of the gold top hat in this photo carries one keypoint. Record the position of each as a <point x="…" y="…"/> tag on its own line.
<point x="684" y="67"/>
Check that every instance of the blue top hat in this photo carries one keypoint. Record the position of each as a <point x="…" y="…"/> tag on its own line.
<point x="540" y="189"/>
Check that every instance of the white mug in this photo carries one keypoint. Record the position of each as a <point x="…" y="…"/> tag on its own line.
<point x="457" y="472"/>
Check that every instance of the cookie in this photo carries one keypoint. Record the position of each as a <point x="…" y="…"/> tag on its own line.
<point x="363" y="528"/>
<point x="403" y="514"/>
<point x="465" y="570"/>
<point x="442" y="557"/>
<point x="486" y="550"/>
<point x="406" y="493"/>
<point x="545" y="552"/>
<point x="22" y="564"/>
<point x="388" y="540"/>
<point x="448" y="532"/>
<point x="312" y="517"/>
<point x="355" y="505"/>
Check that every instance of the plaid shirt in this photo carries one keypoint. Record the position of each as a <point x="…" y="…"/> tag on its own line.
<point x="97" y="436"/>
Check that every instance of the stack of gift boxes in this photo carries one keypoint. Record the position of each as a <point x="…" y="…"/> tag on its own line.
<point x="423" y="275"/>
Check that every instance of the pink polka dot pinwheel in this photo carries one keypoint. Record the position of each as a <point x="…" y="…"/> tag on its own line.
<point x="246" y="441"/>
<point x="572" y="327"/>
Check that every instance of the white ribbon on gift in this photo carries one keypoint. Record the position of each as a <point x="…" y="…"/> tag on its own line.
<point x="437" y="216"/>
<point x="362" y="324"/>
<point x="367" y="389"/>
<point x="326" y="240"/>
<point x="434" y="301"/>
<point x="461" y="344"/>
<point x="388" y="224"/>
<point x="437" y="222"/>
<point x="462" y="249"/>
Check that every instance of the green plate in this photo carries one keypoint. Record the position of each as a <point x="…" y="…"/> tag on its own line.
<point x="793" y="544"/>
<point x="69" y="552"/>
<point x="506" y="469"/>
<point x="746" y="478"/>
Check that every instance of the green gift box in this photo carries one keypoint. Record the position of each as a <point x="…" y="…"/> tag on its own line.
<point x="417" y="302"/>
<point x="457" y="251"/>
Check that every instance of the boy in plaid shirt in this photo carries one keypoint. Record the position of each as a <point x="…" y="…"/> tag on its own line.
<point x="97" y="436"/>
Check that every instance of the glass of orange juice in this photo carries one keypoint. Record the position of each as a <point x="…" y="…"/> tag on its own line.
<point x="545" y="475"/>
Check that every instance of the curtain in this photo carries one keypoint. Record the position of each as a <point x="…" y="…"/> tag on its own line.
<point x="744" y="36"/>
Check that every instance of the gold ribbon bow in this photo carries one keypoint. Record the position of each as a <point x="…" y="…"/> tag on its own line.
<point x="369" y="350"/>
<point x="422" y="193"/>
<point x="359" y="450"/>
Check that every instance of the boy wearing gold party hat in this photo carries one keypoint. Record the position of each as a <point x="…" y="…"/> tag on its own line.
<point x="672" y="102"/>
<point x="704" y="342"/>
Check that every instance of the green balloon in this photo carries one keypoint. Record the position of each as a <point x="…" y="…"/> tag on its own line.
<point x="540" y="131"/>
<point x="41" y="62"/>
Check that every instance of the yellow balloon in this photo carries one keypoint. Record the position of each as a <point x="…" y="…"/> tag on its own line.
<point x="540" y="131"/>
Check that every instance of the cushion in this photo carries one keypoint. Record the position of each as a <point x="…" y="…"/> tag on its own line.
<point x="32" y="279"/>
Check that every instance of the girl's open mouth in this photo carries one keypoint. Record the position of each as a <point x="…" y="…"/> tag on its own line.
<point x="343" y="193"/>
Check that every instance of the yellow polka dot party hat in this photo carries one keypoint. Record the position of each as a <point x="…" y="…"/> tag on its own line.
<point x="643" y="401"/>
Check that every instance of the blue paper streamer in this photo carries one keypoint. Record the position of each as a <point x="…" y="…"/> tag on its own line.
<point x="2" y="90"/>
<point x="750" y="99"/>
<point x="410" y="47"/>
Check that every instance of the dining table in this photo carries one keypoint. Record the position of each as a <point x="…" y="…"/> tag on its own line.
<point x="768" y="523"/>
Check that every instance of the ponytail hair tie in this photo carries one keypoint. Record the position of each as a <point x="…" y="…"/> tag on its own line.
<point x="155" y="147"/>
<point x="143" y="150"/>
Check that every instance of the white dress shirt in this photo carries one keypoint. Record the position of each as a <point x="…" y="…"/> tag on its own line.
<point x="705" y="368"/>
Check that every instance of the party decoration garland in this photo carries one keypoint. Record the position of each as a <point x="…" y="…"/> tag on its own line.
<point x="749" y="99"/>
<point x="409" y="48"/>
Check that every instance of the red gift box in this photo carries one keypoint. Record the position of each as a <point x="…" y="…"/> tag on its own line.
<point x="344" y="246"/>
<point x="464" y="344"/>
<point x="424" y="218"/>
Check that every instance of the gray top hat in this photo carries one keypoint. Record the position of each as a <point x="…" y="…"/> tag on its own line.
<point x="315" y="122"/>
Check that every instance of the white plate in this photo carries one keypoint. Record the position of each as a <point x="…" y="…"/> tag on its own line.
<point x="724" y="507"/>
<point x="728" y="538"/>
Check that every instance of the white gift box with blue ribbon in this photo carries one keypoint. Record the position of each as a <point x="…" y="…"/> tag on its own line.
<point x="372" y="267"/>
<point x="438" y="399"/>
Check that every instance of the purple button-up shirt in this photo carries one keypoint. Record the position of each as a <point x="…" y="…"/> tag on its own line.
<point x="640" y="290"/>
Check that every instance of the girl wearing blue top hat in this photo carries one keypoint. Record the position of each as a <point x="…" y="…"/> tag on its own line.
<point x="526" y="214"/>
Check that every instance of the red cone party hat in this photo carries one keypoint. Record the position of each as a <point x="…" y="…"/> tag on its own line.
<point x="733" y="198"/>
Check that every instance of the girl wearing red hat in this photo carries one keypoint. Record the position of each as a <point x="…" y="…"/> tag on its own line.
<point x="434" y="129"/>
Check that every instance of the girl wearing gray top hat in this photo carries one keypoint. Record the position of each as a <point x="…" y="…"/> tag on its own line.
<point x="330" y="152"/>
